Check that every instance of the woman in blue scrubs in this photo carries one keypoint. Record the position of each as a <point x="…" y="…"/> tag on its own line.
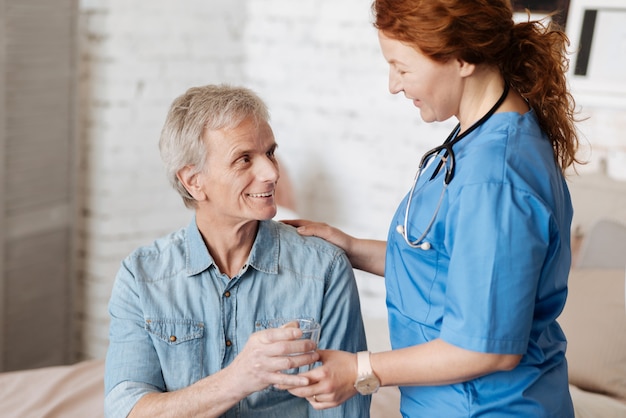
<point x="478" y="252"/>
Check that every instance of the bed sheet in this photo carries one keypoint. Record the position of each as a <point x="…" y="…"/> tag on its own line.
<point x="74" y="391"/>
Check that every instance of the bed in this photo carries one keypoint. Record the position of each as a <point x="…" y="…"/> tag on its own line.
<point x="61" y="391"/>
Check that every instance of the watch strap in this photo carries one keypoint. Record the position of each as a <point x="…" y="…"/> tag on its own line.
<point x="364" y="366"/>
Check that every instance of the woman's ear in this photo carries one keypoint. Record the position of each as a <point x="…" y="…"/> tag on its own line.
<point x="191" y="181"/>
<point x="465" y="68"/>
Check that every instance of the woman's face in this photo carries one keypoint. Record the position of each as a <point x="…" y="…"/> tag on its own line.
<point x="435" y="88"/>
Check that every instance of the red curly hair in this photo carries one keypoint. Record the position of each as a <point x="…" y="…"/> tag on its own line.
<point x="531" y="56"/>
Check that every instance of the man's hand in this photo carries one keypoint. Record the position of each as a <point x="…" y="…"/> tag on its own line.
<point x="266" y="354"/>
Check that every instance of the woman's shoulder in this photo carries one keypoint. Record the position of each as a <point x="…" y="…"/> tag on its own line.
<point x="508" y="146"/>
<point x="512" y="125"/>
<point x="505" y="135"/>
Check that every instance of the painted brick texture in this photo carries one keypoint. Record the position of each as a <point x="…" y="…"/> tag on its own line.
<point x="349" y="146"/>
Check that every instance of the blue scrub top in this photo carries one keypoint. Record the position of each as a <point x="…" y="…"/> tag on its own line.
<point x="495" y="277"/>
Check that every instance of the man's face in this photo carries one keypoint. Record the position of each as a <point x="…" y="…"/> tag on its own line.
<point x="241" y="172"/>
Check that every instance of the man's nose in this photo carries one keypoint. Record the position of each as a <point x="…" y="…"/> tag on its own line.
<point x="267" y="169"/>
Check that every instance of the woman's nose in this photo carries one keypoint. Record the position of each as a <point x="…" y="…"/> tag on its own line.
<point x="394" y="82"/>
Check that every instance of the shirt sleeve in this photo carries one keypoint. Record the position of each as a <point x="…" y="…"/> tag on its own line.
<point x="123" y="397"/>
<point x="343" y="329"/>
<point x="499" y="238"/>
<point x="132" y="366"/>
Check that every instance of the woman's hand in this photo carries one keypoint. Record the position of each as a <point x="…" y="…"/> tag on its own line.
<point x="322" y="230"/>
<point x="332" y="383"/>
<point x="364" y="254"/>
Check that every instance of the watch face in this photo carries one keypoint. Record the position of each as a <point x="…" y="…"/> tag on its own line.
<point x="367" y="385"/>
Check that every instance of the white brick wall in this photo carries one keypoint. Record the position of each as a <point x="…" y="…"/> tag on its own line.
<point x="345" y="138"/>
<point x="136" y="56"/>
<point x="317" y="65"/>
<point x="350" y="147"/>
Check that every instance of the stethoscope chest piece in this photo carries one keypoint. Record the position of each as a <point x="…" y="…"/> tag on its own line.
<point x="422" y="246"/>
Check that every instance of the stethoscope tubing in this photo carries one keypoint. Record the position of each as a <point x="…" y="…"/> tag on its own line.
<point x="447" y="145"/>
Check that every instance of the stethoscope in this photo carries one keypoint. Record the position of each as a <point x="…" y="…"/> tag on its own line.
<point x="448" y="155"/>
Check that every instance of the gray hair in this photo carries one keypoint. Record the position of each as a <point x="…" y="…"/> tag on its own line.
<point x="191" y="115"/>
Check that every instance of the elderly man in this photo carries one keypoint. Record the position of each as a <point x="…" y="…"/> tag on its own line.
<point x="190" y="314"/>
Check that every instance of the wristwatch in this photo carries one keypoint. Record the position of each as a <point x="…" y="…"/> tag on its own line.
<point x="366" y="381"/>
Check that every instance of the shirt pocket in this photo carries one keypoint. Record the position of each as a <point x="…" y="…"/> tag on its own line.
<point x="179" y="345"/>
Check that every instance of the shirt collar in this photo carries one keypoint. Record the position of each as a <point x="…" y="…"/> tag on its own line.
<point x="263" y="255"/>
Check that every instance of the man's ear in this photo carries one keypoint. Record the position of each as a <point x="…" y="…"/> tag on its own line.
<point x="190" y="180"/>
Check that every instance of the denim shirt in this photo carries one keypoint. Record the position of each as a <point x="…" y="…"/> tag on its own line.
<point x="175" y="318"/>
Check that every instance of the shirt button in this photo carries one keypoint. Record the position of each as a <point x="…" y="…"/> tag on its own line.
<point x="172" y="338"/>
<point x="228" y="343"/>
<point x="227" y="294"/>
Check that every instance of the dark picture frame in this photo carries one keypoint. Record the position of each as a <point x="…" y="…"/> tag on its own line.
<point x="596" y="29"/>
<point x="560" y="8"/>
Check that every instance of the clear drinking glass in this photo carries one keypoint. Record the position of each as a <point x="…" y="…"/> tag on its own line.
<point x="311" y="330"/>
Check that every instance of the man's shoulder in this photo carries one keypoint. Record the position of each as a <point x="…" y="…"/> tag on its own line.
<point x="172" y="242"/>
<point x="311" y="256"/>
<point x="289" y="236"/>
<point x="163" y="257"/>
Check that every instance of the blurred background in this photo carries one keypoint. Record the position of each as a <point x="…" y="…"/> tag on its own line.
<point x="84" y="90"/>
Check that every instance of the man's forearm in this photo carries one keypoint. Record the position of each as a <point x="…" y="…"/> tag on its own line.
<point x="209" y="397"/>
